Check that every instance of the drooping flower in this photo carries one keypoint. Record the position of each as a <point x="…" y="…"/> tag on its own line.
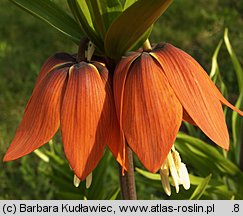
<point x="154" y="91"/>
<point x="77" y="96"/>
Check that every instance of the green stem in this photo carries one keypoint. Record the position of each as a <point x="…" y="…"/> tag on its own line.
<point x="127" y="181"/>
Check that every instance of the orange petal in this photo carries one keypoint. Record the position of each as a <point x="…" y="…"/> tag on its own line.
<point x="84" y="118"/>
<point x="119" y="79"/>
<point x="210" y="82"/>
<point x="188" y="118"/>
<point x="198" y="98"/>
<point x="152" y="114"/>
<point x="59" y="60"/>
<point x="41" y="118"/>
<point x="115" y="138"/>
<point x="56" y="61"/>
<point x="218" y="93"/>
<point x="116" y="142"/>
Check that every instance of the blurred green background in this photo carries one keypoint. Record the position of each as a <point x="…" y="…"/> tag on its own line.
<point x="25" y="42"/>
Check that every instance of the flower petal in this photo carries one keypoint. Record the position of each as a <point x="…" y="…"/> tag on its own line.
<point x="115" y="138"/>
<point x="56" y="61"/>
<point x="198" y="98"/>
<point x="119" y="79"/>
<point x="84" y="119"/>
<point x="151" y="114"/>
<point x="210" y="83"/>
<point x="118" y="90"/>
<point x="41" y="118"/>
<point x="219" y="95"/>
<point x="187" y="118"/>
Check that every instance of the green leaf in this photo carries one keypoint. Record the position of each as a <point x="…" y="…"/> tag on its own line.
<point x="148" y="174"/>
<point x="50" y="13"/>
<point x="142" y="39"/>
<point x="126" y="30"/>
<point x="218" y="192"/>
<point x="74" y="9"/>
<point x="194" y="180"/>
<point x="128" y="3"/>
<point x="215" y="72"/>
<point x="82" y="14"/>
<point x="204" y="157"/>
<point x="200" y="188"/>
<point x="237" y="121"/>
<point x="235" y="61"/>
<point x="237" y="124"/>
<point x="114" y="194"/>
<point x="103" y="13"/>
<point x="215" y="67"/>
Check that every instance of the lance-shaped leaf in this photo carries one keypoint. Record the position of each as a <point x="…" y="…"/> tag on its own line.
<point x="128" y="3"/>
<point x="143" y="38"/>
<point x="215" y="68"/>
<point x="235" y="61"/>
<point x="201" y="188"/>
<point x="82" y="13"/>
<point x="237" y="121"/>
<point x="74" y="9"/>
<point x="103" y="12"/>
<point x="50" y="13"/>
<point x="204" y="157"/>
<point x="215" y="74"/>
<point x="126" y="30"/>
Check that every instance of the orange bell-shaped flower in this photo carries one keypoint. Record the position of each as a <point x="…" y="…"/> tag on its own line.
<point x="78" y="98"/>
<point x="154" y="91"/>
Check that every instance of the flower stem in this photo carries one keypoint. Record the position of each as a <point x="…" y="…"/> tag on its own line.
<point x="146" y="46"/>
<point x="81" y="49"/>
<point x="127" y="181"/>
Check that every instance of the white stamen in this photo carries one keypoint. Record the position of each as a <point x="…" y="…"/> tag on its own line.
<point x="177" y="170"/>
<point x="76" y="181"/>
<point x="164" y="174"/>
<point x="173" y="171"/>
<point x="176" y="158"/>
<point x="88" y="180"/>
<point x="184" y="176"/>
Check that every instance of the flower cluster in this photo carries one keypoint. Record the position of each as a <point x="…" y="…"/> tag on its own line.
<point x="142" y="105"/>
